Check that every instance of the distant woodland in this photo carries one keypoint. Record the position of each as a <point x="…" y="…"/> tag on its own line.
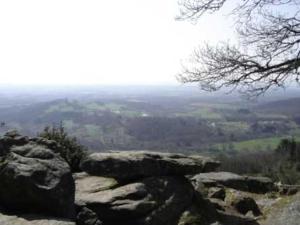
<point x="165" y="121"/>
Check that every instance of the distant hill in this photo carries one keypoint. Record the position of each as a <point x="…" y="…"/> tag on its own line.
<point x="153" y="118"/>
<point x="288" y="106"/>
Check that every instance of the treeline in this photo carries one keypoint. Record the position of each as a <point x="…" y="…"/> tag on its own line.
<point x="281" y="164"/>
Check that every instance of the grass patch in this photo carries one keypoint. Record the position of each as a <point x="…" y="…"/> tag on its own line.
<point x="257" y="144"/>
<point x="113" y="107"/>
<point x="269" y="116"/>
<point x="232" y="127"/>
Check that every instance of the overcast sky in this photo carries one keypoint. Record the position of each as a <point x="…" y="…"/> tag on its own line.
<point x="98" y="42"/>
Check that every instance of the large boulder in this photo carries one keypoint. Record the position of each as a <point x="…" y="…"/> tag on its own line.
<point x="136" y="164"/>
<point x="154" y="200"/>
<point x="36" y="180"/>
<point x="231" y="180"/>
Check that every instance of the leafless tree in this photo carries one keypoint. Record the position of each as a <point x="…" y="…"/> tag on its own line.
<point x="268" y="53"/>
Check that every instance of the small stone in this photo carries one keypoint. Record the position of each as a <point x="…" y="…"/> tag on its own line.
<point x="87" y="217"/>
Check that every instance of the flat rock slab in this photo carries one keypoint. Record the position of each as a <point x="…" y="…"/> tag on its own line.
<point x="137" y="164"/>
<point x="31" y="220"/>
<point x="86" y="184"/>
<point x="231" y="180"/>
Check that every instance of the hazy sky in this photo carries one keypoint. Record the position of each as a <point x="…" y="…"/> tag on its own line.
<point x="98" y="42"/>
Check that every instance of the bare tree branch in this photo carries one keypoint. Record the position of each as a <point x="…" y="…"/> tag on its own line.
<point x="269" y="51"/>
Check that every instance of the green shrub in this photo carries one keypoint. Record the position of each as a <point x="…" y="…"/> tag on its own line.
<point x="69" y="148"/>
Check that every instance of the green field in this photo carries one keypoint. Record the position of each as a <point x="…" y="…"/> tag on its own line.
<point x="204" y="113"/>
<point x="238" y="126"/>
<point x="255" y="144"/>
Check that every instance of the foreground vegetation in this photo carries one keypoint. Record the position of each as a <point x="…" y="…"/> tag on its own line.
<point x="281" y="164"/>
<point x="68" y="147"/>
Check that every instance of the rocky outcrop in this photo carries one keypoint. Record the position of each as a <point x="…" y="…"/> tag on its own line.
<point x="35" y="180"/>
<point x="129" y="165"/>
<point x="231" y="180"/>
<point x="153" y="200"/>
<point x="142" y="188"/>
<point x="128" y="188"/>
<point x="137" y="193"/>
